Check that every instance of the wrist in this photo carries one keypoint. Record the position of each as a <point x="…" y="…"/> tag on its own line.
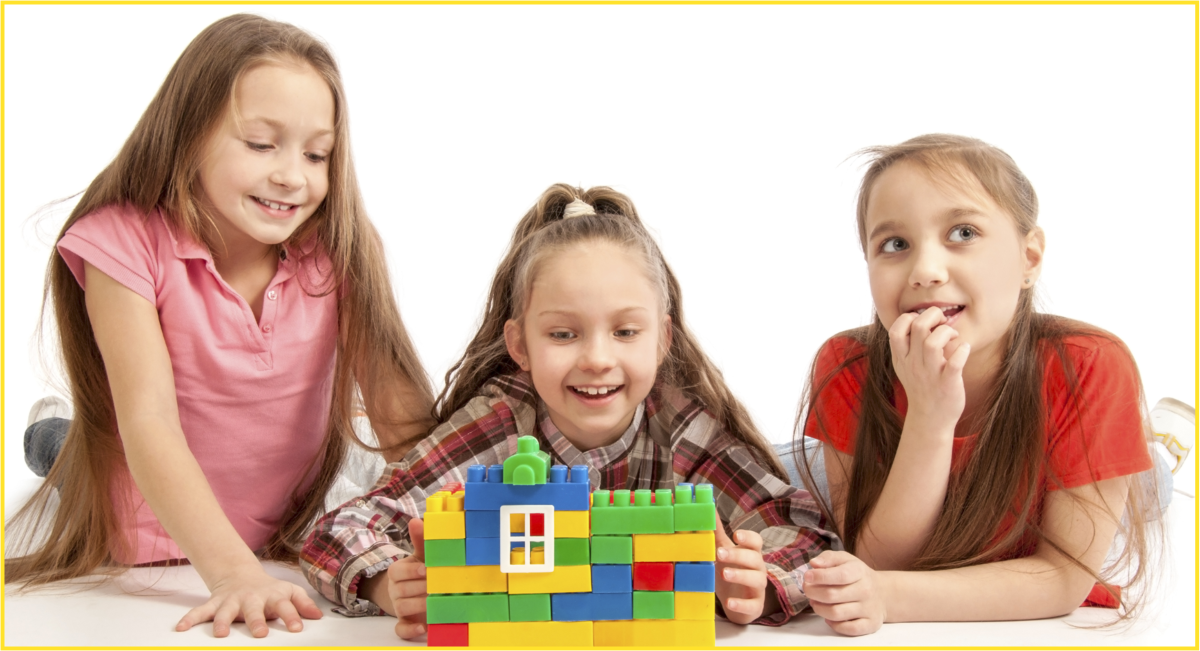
<point x="929" y="428"/>
<point x="888" y="589"/>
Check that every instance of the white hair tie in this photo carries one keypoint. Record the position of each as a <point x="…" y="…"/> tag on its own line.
<point x="578" y="208"/>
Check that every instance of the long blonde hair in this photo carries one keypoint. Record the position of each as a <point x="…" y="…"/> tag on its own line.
<point x="157" y="168"/>
<point x="543" y="232"/>
<point x="1008" y="460"/>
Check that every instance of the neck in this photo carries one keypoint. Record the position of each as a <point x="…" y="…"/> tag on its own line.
<point x="979" y="377"/>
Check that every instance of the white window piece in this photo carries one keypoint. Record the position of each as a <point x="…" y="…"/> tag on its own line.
<point x="525" y="539"/>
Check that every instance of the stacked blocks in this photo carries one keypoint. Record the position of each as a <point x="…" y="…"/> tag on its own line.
<point x="524" y="551"/>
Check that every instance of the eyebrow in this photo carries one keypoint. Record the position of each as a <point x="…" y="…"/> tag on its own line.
<point x="950" y="215"/>
<point x="882" y="227"/>
<point x="280" y="126"/>
<point x="570" y="313"/>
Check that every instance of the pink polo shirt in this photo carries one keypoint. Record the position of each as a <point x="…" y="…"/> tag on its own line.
<point x="253" y="395"/>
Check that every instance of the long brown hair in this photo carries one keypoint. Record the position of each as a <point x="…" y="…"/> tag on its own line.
<point x="157" y="168"/>
<point x="1008" y="464"/>
<point x="543" y="232"/>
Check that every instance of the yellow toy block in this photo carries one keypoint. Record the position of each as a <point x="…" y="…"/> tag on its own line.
<point x="572" y="524"/>
<point x="466" y="578"/>
<point x="569" y="578"/>
<point x="618" y="633"/>
<point x="444" y="516"/>
<point x="644" y="633"/>
<point x="674" y="547"/>
<point x="517" y="556"/>
<point x="529" y="634"/>
<point x="695" y="606"/>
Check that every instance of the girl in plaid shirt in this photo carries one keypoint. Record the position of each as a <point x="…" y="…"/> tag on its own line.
<point x="583" y="346"/>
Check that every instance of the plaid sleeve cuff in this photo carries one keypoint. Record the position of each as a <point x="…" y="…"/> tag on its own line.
<point x="364" y="566"/>
<point x="792" y="600"/>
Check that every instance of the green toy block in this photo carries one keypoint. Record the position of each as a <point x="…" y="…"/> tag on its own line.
<point x="612" y="550"/>
<point x="529" y="466"/>
<point x="698" y="514"/>
<point x="571" y="551"/>
<point x="619" y="518"/>
<point x="446" y="553"/>
<point x="529" y="607"/>
<point x="467" y="608"/>
<point x="653" y="605"/>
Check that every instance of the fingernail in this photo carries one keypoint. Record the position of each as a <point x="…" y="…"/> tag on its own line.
<point x="733" y="604"/>
<point x="722" y="553"/>
<point x="421" y="570"/>
<point x="295" y="626"/>
<point x="420" y="629"/>
<point x="728" y="574"/>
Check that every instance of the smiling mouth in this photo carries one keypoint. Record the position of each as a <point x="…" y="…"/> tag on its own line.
<point x="947" y="311"/>
<point x="272" y="205"/>
<point x="596" y="393"/>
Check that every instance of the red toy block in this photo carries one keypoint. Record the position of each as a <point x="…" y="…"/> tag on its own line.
<point x="448" y="635"/>
<point x="659" y="577"/>
<point x="537" y="522"/>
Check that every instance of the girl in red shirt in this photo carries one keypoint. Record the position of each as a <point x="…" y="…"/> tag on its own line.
<point x="979" y="455"/>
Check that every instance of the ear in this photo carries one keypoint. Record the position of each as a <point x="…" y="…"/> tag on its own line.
<point x="1034" y="250"/>
<point x="516" y="344"/>
<point x="668" y="336"/>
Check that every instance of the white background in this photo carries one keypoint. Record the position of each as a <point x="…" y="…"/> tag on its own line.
<point x="729" y="126"/>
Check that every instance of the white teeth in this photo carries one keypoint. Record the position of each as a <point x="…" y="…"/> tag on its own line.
<point x="275" y="206"/>
<point x="592" y="391"/>
<point x="920" y="310"/>
<point x="596" y="391"/>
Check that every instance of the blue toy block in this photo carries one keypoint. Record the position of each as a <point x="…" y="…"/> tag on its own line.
<point x="689" y="577"/>
<point x="609" y="579"/>
<point x="591" y="607"/>
<point x="483" y="524"/>
<point x="483" y="551"/>
<point x="564" y="493"/>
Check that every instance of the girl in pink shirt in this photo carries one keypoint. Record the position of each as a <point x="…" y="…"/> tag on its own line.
<point x="220" y="297"/>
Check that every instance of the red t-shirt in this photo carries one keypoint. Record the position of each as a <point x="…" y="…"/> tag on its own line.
<point x="1101" y="439"/>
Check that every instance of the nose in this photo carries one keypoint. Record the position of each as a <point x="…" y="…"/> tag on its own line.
<point x="288" y="172"/>
<point x="596" y="355"/>
<point x="929" y="267"/>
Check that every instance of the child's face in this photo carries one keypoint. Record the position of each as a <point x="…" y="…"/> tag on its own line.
<point x="930" y="244"/>
<point x="593" y="337"/>
<point x="266" y="167"/>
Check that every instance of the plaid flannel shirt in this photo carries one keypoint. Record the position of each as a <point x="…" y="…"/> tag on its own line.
<point x="671" y="440"/>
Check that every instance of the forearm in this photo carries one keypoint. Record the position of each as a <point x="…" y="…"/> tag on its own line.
<point x="1034" y="587"/>
<point x="911" y="501"/>
<point x="174" y="486"/>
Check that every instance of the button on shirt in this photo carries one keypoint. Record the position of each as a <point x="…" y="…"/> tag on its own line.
<point x="253" y="395"/>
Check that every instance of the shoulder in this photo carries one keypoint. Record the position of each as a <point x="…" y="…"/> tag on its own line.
<point x="1084" y="350"/>
<point x="674" y="415"/>
<point x="843" y="353"/>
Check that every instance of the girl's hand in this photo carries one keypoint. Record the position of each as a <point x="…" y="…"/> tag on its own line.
<point x="742" y="588"/>
<point x="249" y="594"/>
<point x="406" y="586"/>
<point x="847" y="593"/>
<point x="931" y="377"/>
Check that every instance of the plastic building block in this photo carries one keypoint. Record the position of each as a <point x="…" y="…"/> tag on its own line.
<point x="695" y="606"/>
<point x="469" y="578"/>
<point x="572" y="524"/>
<point x="445" y="553"/>
<point x="573" y="578"/>
<point x="448" y="635"/>
<point x="483" y="524"/>
<point x="695" y="577"/>
<point x="679" y="547"/>
<point x="517" y="556"/>
<point x="484" y="494"/>
<point x="659" y="577"/>
<point x="529" y="607"/>
<point x="571" y="551"/>
<point x="609" y="579"/>
<point x="464" y="608"/>
<point x="652" y="633"/>
<point x="444" y="517"/>
<point x="526" y="634"/>
<point x="643" y="517"/>
<point x="528" y="466"/>
<point x="481" y="551"/>
<point x="653" y="605"/>
<point x="612" y="549"/>
<point x="613" y="634"/>
<point x="695" y="510"/>
<point x="590" y="606"/>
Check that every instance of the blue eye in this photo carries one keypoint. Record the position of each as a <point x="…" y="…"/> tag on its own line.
<point x="963" y="233"/>
<point x="893" y="245"/>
